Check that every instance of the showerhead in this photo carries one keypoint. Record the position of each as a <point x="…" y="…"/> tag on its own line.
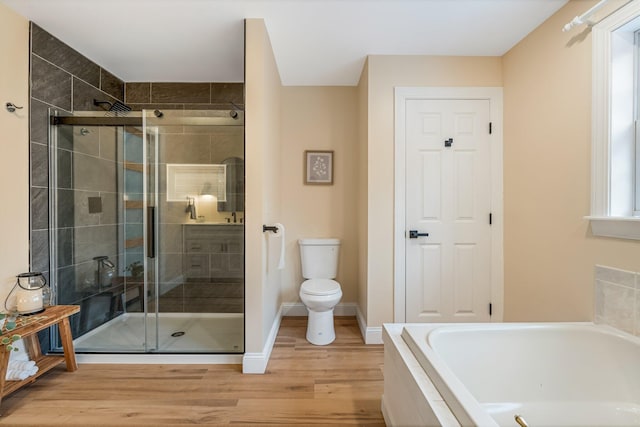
<point x="115" y="106"/>
<point x="158" y="113"/>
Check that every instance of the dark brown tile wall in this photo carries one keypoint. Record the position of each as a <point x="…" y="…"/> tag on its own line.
<point x="111" y="84"/>
<point x="60" y="78"/>
<point x="55" y="51"/>
<point x="227" y="92"/>
<point x="196" y="96"/>
<point x="138" y="93"/>
<point x="50" y="84"/>
<point x="191" y="93"/>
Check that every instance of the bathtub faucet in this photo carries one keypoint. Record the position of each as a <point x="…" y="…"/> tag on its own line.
<point x="233" y="214"/>
<point x="521" y="422"/>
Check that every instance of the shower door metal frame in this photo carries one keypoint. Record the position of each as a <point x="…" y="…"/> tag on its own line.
<point x="150" y="204"/>
<point x="149" y="122"/>
<point x="53" y="217"/>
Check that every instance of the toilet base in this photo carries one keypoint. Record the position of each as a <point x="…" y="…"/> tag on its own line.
<point x="320" y="330"/>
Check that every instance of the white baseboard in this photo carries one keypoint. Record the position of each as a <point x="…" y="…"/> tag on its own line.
<point x="256" y="363"/>
<point x="293" y="309"/>
<point x="371" y="335"/>
<point x="298" y="309"/>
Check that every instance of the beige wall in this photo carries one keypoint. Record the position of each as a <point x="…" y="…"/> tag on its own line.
<point x="14" y="149"/>
<point x="319" y="118"/>
<point x="362" y="217"/>
<point x="385" y="73"/>
<point x="549" y="251"/>
<point x="262" y="139"/>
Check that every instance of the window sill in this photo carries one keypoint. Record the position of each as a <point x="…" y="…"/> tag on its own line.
<point x="614" y="226"/>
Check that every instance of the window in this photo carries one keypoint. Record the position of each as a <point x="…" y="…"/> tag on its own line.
<point x="615" y="185"/>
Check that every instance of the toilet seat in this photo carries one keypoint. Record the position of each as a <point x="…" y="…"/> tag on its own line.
<point x="320" y="287"/>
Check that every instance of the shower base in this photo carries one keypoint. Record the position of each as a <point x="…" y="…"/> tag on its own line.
<point x="176" y="333"/>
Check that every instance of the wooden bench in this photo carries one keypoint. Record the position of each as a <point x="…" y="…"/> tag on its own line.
<point x="28" y="328"/>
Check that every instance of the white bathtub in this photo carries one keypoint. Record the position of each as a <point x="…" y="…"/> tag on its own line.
<point x="551" y="374"/>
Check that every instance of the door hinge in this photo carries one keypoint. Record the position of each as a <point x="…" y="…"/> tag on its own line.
<point x="490" y="218"/>
<point x="490" y="309"/>
<point x="490" y="128"/>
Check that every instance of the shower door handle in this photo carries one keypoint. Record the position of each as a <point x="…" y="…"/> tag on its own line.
<point x="151" y="231"/>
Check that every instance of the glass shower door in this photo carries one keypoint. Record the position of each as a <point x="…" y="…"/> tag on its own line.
<point x="197" y="194"/>
<point x="97" y="259"/>
<point x="147" y="231"/>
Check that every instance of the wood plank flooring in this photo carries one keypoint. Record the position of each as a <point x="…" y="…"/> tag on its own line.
<point x="339" y="384"/>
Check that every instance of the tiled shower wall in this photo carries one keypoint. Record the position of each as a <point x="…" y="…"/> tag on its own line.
<point x="194" y="144"/>
<point x="187" y="145"/>
<point x="62" y="78"/>
<point x="188" y="96"/>
<point x="617" y="299"/>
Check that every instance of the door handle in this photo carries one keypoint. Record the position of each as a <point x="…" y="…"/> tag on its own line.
<point x="414" y="234"/>
<point x="151" y="232"/>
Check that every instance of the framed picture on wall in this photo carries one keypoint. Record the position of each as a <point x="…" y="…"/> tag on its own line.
<point x="318" y="167"/>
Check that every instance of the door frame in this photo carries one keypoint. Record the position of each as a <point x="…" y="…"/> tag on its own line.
<point x="494" y="96"/>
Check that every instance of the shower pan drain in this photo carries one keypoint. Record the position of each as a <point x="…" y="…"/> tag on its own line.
<point x="177" y="334"/>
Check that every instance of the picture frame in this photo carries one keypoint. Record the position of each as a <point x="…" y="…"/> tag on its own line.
<point x="318" y="167"/>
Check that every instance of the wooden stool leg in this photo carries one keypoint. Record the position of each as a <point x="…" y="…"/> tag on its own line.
<point x="32" y="347"/>
<point x="64" y="328"/>
<point x="4" y="364"/>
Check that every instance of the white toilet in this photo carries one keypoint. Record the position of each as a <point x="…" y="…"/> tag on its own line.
<point x="320" y="293"/>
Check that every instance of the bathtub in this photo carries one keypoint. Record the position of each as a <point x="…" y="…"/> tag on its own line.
<point x="549" y="374"/>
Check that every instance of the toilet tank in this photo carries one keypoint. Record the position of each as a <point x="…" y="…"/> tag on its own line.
<point x="319" y="258"/>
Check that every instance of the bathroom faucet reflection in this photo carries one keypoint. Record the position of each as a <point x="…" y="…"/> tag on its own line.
<point x="191" y="208"/>
<point x="234" y="216"/>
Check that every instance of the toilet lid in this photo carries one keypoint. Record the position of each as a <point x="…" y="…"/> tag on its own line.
<point x="320" y="287"/>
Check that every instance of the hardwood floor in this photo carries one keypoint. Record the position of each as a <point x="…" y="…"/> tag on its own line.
<point x="339" y="384"/>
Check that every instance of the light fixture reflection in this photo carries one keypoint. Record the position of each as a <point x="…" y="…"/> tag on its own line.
<point x="207" y="191"/>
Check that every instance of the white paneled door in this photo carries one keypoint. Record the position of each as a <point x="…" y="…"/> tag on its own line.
<point x="448" y="207"/>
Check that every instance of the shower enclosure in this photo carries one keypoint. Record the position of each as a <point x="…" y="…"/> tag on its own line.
<point x="147" y="232"/>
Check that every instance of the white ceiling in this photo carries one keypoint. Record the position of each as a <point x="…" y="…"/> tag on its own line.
<point x="316" y="42"/>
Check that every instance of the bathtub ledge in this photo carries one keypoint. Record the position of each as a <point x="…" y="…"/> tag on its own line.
<point x="410" y="398"/>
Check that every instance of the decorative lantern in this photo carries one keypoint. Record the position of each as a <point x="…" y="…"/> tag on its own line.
<point x="32" y="294"/>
